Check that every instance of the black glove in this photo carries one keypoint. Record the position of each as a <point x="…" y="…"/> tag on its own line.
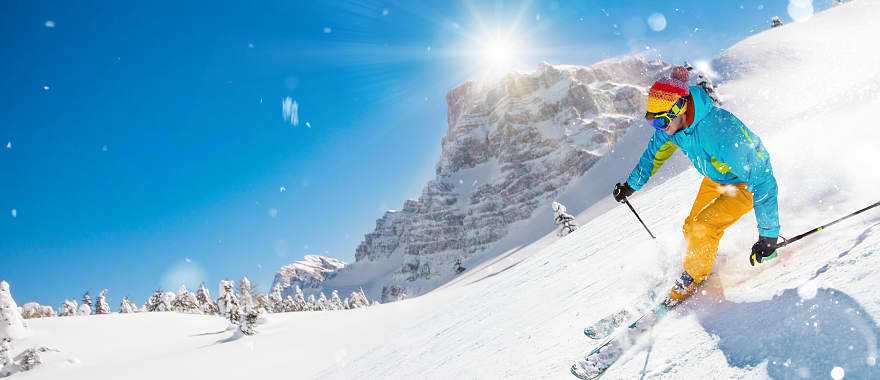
<point x="764" y="249"/>
<point x="622" y="191"/>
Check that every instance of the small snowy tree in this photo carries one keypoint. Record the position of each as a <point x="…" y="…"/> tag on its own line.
<point x="311" y="304"/>
<point x="12" y="325"/>
<point x="69" y="308"/>
<point x="245" y="292"/>
<point x="157" y="302"/>
<point x="262" y="303"/>
<point x="457" y="267"/>
<point x="323" y="304"/>
<point x="5" y="352"/>
<point x="228" y="303"/>
<point x="30" y="358"/>
<point x="335" y="303"/>
<point x="203" y="296"/>
<point x="127" y="306"/>
<point x="276" y="302"/>
<point x="186" y="302"/>
<point x="775" y="22"/>
<point x="299" y="299"/>
<point x="358" y="299"/>
<point x="248" y="323"/>
<point x="563" y="219"/>
<point x="102" y="307"/>
<point x="35" y="310"/>
<point x="85" y="308"/>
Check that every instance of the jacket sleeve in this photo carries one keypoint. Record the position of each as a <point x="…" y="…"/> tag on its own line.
<point x="659" y="149"/>
<point x="748" y="160"/>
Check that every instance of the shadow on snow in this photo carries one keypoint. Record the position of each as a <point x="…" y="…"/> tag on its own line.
<point x="797" y="337"/>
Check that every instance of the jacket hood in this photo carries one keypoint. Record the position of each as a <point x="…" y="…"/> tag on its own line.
<point x="703" y="104"/>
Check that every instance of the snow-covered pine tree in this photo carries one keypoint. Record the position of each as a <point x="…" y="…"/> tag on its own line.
<point x="85" y="308"/>
<point x="156" y="302"/>
<point x="311" y="304"/>
<point x="276" y="302"/>
<point x="248" y="323"/>
<point x="323" y="303"/>
<point x="262" y="303"/>
<point x="358" y="299"/>
<point x="69" y="308"/>
<point x="185" y="302"/>
<point x="5" y="352"/>
<point x="35" y="310"/>
<point x="245" y="292"/>
<point x="102" y="307"/>
<point x="12" y="325"/>
<point x="206" y="304"/>
<point x="288" y="305"/>
<point x="457" y="267"/>
<point x="127" y="306"/>
<point x="30" y="358"/>
<point x="335" y="303"/>
<point x="775" y="22"/>
<point x="563" y="219"/>
<point x="299" y="299"/>
<point x="228" y="303"/>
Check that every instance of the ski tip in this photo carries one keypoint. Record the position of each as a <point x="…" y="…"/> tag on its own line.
<point x="575" y="373"/>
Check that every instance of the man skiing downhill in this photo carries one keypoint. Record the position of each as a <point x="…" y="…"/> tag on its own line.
<point x="736" y="169"/>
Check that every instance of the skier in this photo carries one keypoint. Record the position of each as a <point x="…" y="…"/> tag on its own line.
<point x="736" y="169"/>
<point x="563" y="218"/>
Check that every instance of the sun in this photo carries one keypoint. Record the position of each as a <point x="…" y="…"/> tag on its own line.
<point x="498" y="54"/>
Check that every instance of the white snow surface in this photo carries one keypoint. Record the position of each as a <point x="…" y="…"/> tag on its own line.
<point x="810" y="90"/>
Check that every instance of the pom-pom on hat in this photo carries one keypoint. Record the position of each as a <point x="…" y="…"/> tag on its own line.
<point x="666" y="91"/>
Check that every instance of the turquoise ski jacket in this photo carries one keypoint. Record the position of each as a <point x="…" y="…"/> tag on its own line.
<point x="722" y="148"/>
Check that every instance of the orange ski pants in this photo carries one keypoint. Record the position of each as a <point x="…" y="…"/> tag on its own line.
<point x="716" y="208"/>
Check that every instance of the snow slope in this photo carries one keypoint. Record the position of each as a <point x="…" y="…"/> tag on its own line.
<point x="811" y="90"/>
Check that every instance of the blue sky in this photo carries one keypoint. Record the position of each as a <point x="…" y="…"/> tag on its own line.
<point x="144" y="143"/>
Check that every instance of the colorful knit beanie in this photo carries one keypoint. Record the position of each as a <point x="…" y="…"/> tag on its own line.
<point x="665" y="92"/>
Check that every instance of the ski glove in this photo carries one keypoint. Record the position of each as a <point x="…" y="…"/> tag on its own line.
<point x="764" y="249"/>
<point x="622" y="191"/>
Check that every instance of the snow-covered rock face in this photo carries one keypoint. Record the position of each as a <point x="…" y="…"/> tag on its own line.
<point x="308" y="273"/>
<point x="511" y="146"/>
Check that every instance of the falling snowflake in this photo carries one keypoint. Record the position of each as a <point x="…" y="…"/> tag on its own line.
<point x="290" y="111"/>
<point x="308" y="125"/>
<point x="104" y="148"/>
<point x="251" y="45"/>
<point x="50" y="24"/>
<point x="385" y="12"/>
<point x="9" y="145"/>
<point x="327" y="30"/>
<point x="46" y="88"/>
<point x="837" y="373"/>
<point x="14" y="213"/>
<point x="282" y="189"/>
<point x="273" y="212"/>
<point x="187" y="259"/>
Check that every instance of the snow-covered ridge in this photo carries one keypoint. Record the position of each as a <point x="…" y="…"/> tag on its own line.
<point x="511" y="146"/>
<point x="308" y="273"/>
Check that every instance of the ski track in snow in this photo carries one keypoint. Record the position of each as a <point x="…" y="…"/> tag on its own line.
<point x="520" y="314"/>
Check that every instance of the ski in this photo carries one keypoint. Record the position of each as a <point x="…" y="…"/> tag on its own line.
<point x="606" y="354"/>
<point x="606" y="326"/>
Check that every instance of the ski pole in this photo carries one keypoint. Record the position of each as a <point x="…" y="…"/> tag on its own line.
<point x="820" y="228"/>
<point x="640" y="218"/>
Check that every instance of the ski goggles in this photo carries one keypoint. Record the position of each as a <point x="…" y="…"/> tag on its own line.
<point x="661" y="120"/>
